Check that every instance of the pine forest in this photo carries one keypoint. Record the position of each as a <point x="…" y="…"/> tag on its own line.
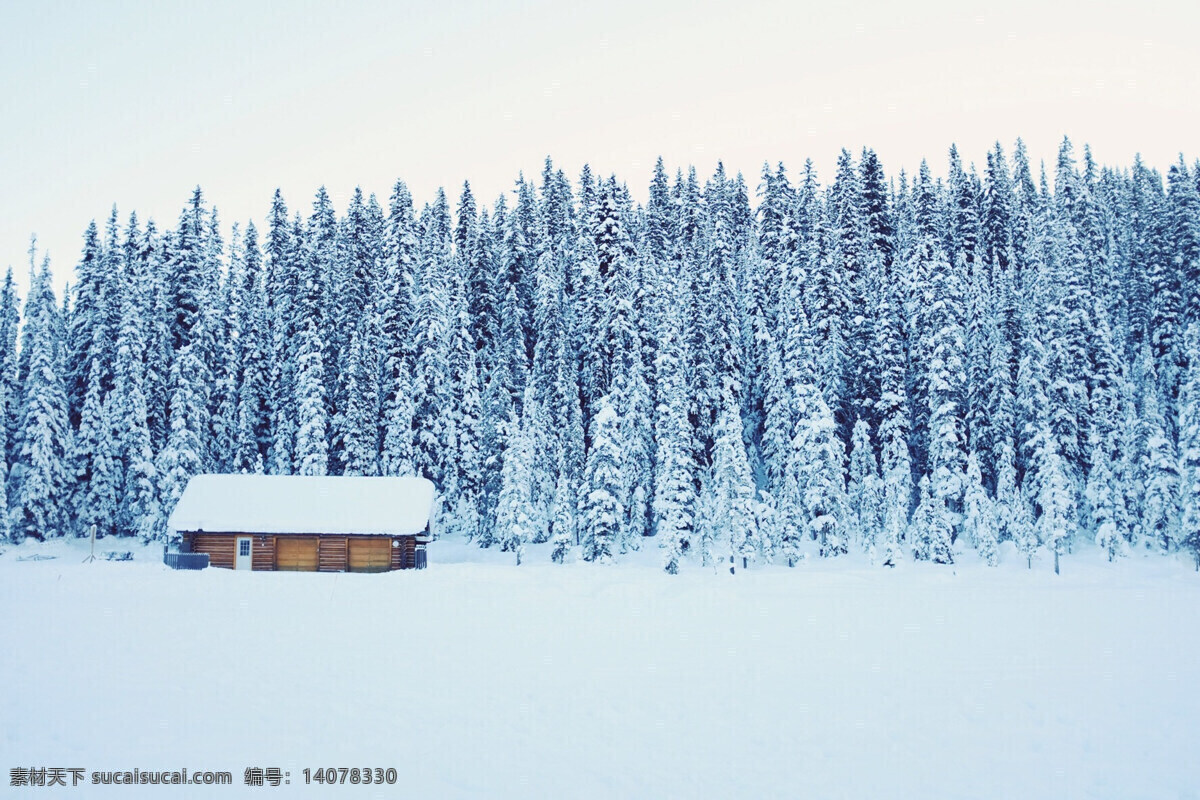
<point x="735" y="372"/>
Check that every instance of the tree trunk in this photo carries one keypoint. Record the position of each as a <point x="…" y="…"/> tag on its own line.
<point x="1056" y="561"/>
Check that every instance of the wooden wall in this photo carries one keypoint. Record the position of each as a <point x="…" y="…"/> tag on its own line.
<point x="219" y="546"/>
<point x="262" y="552"/>
<point x="332" y="552"/>
<point x="404" y="556"/>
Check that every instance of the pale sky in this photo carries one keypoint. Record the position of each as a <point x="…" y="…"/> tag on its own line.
<point x="136" y="103"/>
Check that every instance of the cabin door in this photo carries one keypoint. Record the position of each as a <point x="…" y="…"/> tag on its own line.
<point x="241" y="558"/>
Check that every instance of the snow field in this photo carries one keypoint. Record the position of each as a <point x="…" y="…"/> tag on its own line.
<point x="474" y="678"/>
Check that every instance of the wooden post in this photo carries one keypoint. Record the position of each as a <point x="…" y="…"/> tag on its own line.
<point x="92" y="532"/>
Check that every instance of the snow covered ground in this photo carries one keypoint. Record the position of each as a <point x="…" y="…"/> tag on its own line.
<point x="474" y="678"/>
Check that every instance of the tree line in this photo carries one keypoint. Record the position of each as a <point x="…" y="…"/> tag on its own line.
<point x="906" y="366"/>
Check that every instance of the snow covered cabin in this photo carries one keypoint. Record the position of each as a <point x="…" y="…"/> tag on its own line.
<point x="305" y="524"/>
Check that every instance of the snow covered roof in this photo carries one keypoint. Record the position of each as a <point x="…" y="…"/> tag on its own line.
<point x="303" y="504"/>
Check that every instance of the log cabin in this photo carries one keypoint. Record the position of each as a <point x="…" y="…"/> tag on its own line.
<point x="304" y="523"/>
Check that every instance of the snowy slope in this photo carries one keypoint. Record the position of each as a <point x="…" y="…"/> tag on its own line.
<point x="474" y="678"/>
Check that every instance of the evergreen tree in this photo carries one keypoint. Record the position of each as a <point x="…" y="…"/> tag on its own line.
<point x="9" y="328"/>
<point x="707" y="520"/>
<point x="1031" y="405"/>
<point x="1055" y="497"/>
<point x="563" y="515"/>
<point x="897" y="496"/>
<point x="998" y="214"/>
<point x="87" y="335"/>
<point x="947" y="457"/>
<point x="675" y="483"/>
<point x="1000" y="397"/>
<point x="397" y="456"/>
<point x="1160" y="478"/>
<point x="1071" y="330"/>
<point x="312" y="446"/>
<point x="96" y="461"/>
<point x="778" y="420"/>
<point x="1189" y="448"/>
<point x="434" y="434"/>
<point x="637" y="433"/>
<point x="660" y="216"/>
<point x="1183" y="199"/>
<point x="188" y="276"/>
<point x="603" y="515"/>
<point x="498" y="407"/>
<point x="467" y="510"/>
<point x="183" y="455"/>
<point x="733" y="491"/>
<point x="38" y="479"/>
<point x="1104" y="494"/>
<point x="149" y="266"/>
<point x="546" y="382"/>
<point x="539" y="473"/>
<point x="283" y="286"/>
<point x="980" y="520"/>
<point x="229" y="318"/>
<point x="361" y="430"/>
<point x="513" y="366"/>
<point x="933" y="311"/>
<point x="5" y="522"/>
<point x="893" y="412"/>
<point x="317" y="352"/>
<point x="252" y="416"/>
<point x="817" y="459"/>
<point x="1021" y="525"/>
<point x="864" y="492"/>
<point x="931" y="528"/>
<point x="396" y="294"/>
<point x="826" y="305"/>
<point x="140" y="513"/>
<point x="515" y="525"/>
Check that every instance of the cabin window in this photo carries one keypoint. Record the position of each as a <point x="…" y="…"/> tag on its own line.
<point x="244" y="547"/>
